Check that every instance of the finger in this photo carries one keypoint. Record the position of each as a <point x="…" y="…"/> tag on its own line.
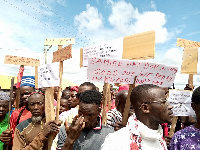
<point x="80" y="119"/>
<point x="83" y="126"/>
<point x="74" y="120"/>
<point x="66" y="126"/>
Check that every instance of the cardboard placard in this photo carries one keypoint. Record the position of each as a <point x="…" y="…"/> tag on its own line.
<point x="21" y="61"/>
<point x="187" y="43"/>
<point x="124" y="71"/>
<point x="62" y="54"/>
<point x="139" y="46"/>
<point x="181" y="102"/>
<point x="59" y="41"/>
<point x="190" y="61"/>
<point x="48" y="75"/>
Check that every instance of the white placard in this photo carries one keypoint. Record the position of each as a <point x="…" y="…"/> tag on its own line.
<point x="107" y="49"/>
<point x="181" y="102"/>
<point x="124" y="71"/>
<point x="48" y="75"/>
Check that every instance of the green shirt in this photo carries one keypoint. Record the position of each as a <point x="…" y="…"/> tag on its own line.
<point x="3" y="127"/>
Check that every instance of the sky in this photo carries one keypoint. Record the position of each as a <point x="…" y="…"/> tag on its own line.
<point x="25" y="24"/>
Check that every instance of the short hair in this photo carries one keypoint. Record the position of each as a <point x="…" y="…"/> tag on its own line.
<point x="91" y="97"/>
<point x="122" y="95"/>
<point x="93" y="87"/>
<point x="139" y="93"/>
<point x="196" y="96"/>
<point x="65" y="97"/>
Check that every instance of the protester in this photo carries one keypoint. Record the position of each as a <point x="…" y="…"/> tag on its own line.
<point x="33" y="132"/>
<point x="64" y="104"/>
<point x="74" y="102"/>
<point x="143" y="129"/>
<point x="115" y="115"/>
<point x="86" y="131"/>
<point x="27" y="86"/>
<point x="66" y="92"/>
<point x="4" y="131"/>
<point x="69" y="115"/>
<point x="189" y="137"/>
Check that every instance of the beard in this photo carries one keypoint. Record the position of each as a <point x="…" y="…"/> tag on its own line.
<point x="36" y="119"/>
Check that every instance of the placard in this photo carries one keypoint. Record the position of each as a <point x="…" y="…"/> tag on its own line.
<point x="181" y="102"/>
<point x="139" y="46"/>
<point x="107" y="49"/>
<point x="21" y="61"/>
<point x="124" y="71"/>
<point x="48" y="75"/>
<point x="62" y="54"/>
<point x="59" y="41"/>
<point x="190" y="61"/>
<point x="187" y="43"/>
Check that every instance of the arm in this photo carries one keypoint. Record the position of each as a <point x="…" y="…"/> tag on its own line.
<point x="38" y="142"/>
<point x="73" y="132"/>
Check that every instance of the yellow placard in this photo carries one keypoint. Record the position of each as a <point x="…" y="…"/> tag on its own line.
<point x="139" y="46"/>
<point x="187" y="43"/>
<point x="190" y="60"/>
<point x="21" y="61"/>
<point x="59" y="41"/>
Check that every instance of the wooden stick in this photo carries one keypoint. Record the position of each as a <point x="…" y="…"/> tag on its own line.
<point x="11" y="96"/>
<point x="128" y="103"/>
<point x="59" y="91"/>
<point x="36" y="76"/>
<point x="104" y="116"/>
<point x="108" y="97"/>
<point x="49" y="110"/>
<point x="173" y="126"/>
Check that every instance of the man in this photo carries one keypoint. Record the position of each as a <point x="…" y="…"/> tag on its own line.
<point x="143" y="130"/>
<point x="33" y="132"/>
<point x="115" y="115"/>
<point x="74" y="102"/>
<point x="23" y="113"/>
<point x="69" y="115"/>
<point x="4" y="107"/>
<point x="86" y="131"/>
<point x="189" y="137"/>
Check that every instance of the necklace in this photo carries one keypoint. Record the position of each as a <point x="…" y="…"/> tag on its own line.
<point x="33" y="126"/>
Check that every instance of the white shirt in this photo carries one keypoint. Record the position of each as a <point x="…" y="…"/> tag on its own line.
<point x="120" y="139"/>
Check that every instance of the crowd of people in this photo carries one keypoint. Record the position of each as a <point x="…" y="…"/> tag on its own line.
<point x="80" y="124"/>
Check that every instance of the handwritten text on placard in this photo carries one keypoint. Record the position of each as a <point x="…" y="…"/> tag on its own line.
<point x="21" y="61"/>
<point x="124" y="71"/>
<point x="48" y="75"/>
<point x="107" y="49"/>
<point x="181" y="102"/>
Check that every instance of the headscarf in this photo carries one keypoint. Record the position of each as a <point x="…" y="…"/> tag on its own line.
<point x="4" y="96"/>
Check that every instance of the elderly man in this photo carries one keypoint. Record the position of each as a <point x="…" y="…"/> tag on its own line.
<point x="33" y="132"/>
<point x="143" y="130"/>
<point x="86" y="131"/>
<point x="189" y="137"/>
<point x="4" y="107"/>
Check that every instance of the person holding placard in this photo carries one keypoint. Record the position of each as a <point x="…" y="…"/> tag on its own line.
<point x="143" y="130"/>
<point x="34" y="132"/>
<point x="189" y="137"/>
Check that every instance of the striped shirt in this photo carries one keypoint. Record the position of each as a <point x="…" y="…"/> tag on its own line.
<point x="113" y="116"/>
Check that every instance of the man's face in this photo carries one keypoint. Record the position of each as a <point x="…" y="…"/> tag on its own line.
<point x="36" y="105"/>
<point x="90" y="113"/>
<point x="24" y="93"/>
<point x="4" y="107"/>
<point x="63" y="105"/>
<point x="160" y="110"/>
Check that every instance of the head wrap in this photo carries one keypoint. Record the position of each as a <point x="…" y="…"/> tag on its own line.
<point x="28" y="81"/>
<point x="74" y="88"/>
<point x="123" y="87"/>
<point x="4" y="96"/>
